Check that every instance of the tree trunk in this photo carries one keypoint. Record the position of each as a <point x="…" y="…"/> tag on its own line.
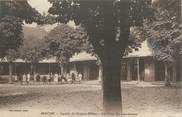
<point x="62" y="68"/>
<point x="167" y="76"/>
<point x="111" y="81"/>
<point x="179" y="68"/>
<point x="100" y="72"/>
<point x="111" y="53"/>
<point x="111" y="61"/>
<point x="10" y="72"/>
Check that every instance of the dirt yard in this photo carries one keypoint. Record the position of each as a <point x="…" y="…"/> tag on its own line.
<point x="79" y="100"/>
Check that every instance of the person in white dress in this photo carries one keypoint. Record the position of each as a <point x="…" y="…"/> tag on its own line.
<point x="24" y="78"/>
<point x="28" y="78"/>
<point x="16" y="78"/>
<point x="56" y="76"/>
<point x="34" y="77"/>
<point x="68" y="77"/>
<point x="79" y="77"/>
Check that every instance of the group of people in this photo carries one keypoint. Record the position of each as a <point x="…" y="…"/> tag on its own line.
<point x="71" y="77"/>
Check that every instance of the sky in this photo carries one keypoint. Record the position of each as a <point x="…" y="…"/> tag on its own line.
<point x="40" y="5"/>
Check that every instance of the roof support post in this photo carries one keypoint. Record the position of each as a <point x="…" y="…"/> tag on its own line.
<point x="138" y="69"/>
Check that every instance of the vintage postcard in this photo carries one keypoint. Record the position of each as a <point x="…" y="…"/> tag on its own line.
<point x="90" y="58"/>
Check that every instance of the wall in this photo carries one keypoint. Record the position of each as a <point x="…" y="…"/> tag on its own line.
<point x="149" y="69"/>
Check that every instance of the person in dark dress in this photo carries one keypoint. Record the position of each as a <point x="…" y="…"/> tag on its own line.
<point x="73" y="77"/>
<point x="44" y="80"/>
<point x="38" y="78"/>
<point x="62" y="78"/>
<point x="20" y="78"/>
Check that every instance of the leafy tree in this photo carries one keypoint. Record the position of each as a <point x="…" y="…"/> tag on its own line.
<point x="107" y="23"/>
<point x="11" y="38"/>
<point x="10" y="34"/>
<point x="20" y="9"/>
<point x="64" y="41"/>
<point x="11" y="55"/>
<point x="33" y="45"/>
<point x="164" y="34"/>
<point x="12" y="15"/>
<point x="172" y="6"/>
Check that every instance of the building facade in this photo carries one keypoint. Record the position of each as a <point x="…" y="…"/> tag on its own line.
<point x="85" y="64"/>
<point x="20" y="67"/>
<point x="136" y="66"/>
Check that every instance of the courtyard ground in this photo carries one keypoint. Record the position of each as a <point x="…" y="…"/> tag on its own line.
<point x="85" y="99"/>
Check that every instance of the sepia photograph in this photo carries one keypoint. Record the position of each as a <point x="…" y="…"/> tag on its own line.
<point x="90" y="58"/>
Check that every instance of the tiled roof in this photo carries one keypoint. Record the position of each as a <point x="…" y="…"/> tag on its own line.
<point x="144" y="51"/>
<point x="50" y="60"/>
<point x="83" y="56"/>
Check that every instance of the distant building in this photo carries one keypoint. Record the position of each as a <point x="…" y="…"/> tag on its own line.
<point x="20" y="66"/>
<point x="85" y="64"/>
<point x="142" y="66"/>
<point x="136" y="66"/>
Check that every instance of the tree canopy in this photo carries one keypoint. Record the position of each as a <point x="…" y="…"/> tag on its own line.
<point x="33" y="44"/>
<point x="92" y="15"/>
<point x="10" y="34"/>
<point x="64" y="41"/>
<point x="172" y="6"/>
<point x="12" y="15"/>
<point x="20" y="9"/>
<point x="164" y="33"/>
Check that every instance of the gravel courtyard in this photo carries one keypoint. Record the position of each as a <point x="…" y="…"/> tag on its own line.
<point x="82" y="99"/>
